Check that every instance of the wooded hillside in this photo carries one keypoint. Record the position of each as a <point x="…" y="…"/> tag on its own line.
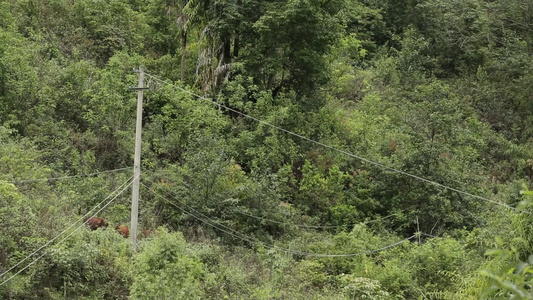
<point x="292" y="149"/>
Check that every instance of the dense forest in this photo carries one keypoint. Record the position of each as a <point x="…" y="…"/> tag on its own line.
<point x="292" y="149"/>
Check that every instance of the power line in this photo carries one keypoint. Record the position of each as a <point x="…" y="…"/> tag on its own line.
<point x="70" y="234"/>
<point x="241" y="236"/>
<point x="316" y="226"/>
<point x="130" y="180"/>
<point x="333" y="148"/>
<point x="244" y="237"/>
<point x="441" y="237"/>
<point x="430" y="235"/>
<point x="72" y="225"/>
<point x="67" y="177"/>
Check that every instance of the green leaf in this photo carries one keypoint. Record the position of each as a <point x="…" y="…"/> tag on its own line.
<point x="493" y="252"/>
<point x="520" y="268"/>
<point x="488" y="291"/>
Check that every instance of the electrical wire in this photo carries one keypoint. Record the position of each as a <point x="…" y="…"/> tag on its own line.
<point x="130" y="180"/>
<point x="206" y="220"/>
<point x="441" y="237"/>
<point x="430" y="235"/>
<point x="333" y="148"/>
<point x="316" y="226"/>
<point x="72" y="225"/>
<point x="67" y="177"/>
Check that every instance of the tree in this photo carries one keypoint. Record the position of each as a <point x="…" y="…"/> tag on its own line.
<point x="170" y="19"/>
<point x="164" y="270"/>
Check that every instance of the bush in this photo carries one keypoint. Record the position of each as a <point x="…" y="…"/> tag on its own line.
<point x="164" y="270"/>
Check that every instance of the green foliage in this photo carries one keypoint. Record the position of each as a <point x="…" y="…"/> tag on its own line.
<point x="93" y="264"/>
<point x="514" y="277"/>
<point x="361" y="288"/>
<point x="18" y="223"/>
<point x="287" y="53"/>
<point x="515" y="282"/>
<point x="164" y="270"/>
<point x="456" y="32"/>
<point x="18" y="81"/>
<point x="178" y="120"/>
<point x="439" y="89"/>
<point x="434" y="258"/>
<point x="19" y="158"/>
<point x="89" y="265"/>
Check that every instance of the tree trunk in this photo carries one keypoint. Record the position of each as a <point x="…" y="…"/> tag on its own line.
<point x="527" y="21"/>
<point x="236" y="47"/>
<point x="227" y="50"/>
<point x="237" y="42"/>
<point x="183" y="49"/>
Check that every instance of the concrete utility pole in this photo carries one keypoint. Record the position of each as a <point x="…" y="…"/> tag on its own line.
<point x="137" y="161"/>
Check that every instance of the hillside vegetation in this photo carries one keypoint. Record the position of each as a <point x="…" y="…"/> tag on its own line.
<point x="425" y="108"/>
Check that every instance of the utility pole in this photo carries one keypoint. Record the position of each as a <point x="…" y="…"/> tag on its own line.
<point x="137" y="161"/>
